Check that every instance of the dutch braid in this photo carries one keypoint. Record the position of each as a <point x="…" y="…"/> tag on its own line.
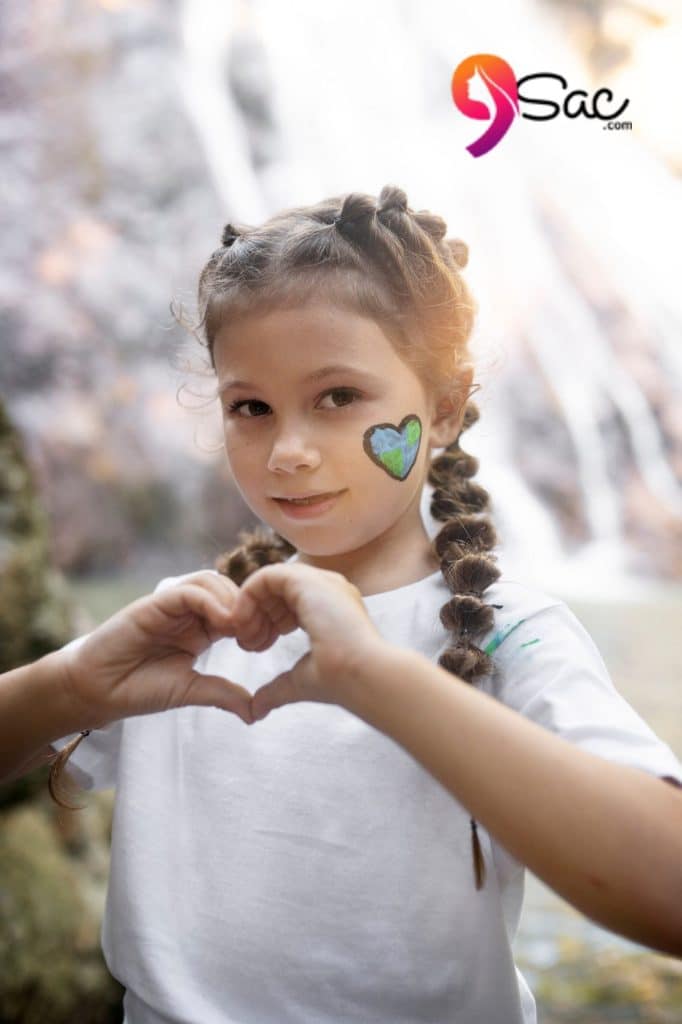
<point x="463" y="545"/>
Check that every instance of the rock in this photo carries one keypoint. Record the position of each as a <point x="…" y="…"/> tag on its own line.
<point x="53" y="863"/>
<point x="51" y="967"/>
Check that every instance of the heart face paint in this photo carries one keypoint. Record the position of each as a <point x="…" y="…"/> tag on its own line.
<point x="393" y="448"/>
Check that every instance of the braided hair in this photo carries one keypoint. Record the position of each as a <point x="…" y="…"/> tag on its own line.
<point x="393" y="264"/>
<point x="386" y="261"/>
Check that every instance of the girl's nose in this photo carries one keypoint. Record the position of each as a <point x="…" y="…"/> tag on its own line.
<point x="291" y="451"/>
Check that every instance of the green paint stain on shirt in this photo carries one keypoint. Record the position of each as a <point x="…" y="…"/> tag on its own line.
<point x="501" y="636"/>
<point x="529" y="643"/>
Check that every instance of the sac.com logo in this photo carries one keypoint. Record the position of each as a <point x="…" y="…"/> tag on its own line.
<point x="505" y="95"/>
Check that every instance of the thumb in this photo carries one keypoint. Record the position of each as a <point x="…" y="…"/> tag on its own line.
<point x="218" y="692"/>
<point x="290" y="687"/>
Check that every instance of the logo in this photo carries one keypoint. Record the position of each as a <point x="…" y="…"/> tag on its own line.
<point x="504" y="92"/>
<point x="501" y="83"/>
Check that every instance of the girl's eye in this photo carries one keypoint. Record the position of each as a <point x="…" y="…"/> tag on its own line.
<point x="341" y="396"/>
<point x="247" y="403"/>
<point x="348" y="394"/>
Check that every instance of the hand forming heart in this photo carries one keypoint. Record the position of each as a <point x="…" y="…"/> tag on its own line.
<point x="279" y="598"/>
<point x="141" y="659"/>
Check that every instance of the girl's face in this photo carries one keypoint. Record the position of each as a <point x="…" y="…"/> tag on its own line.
<point x="301" y="390"/>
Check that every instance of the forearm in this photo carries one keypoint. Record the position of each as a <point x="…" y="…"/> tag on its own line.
<point x="608" y="838"/>
<point x="34" y="710"/>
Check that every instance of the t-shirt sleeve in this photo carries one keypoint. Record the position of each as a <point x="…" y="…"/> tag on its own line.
<point x="94" y="763"/>
<point x="549" y="669"/>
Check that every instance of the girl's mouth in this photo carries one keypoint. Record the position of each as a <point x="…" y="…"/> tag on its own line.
<point x="304" y="508"/>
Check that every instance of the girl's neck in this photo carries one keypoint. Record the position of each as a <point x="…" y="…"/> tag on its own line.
<point x="374" y="570"/>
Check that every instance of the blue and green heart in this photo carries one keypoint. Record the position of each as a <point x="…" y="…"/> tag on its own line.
<point x="394" y="448"/>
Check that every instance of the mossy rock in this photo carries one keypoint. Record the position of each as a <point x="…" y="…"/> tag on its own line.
<point x="593" y="986"/>
<point x="51" y="967"/>
<point x="36" y="612"/>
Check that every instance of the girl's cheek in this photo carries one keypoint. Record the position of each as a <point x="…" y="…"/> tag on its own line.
<point x="237" y="437"/>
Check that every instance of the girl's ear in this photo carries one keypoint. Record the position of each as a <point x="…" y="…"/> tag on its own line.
<point x="448" y="414"/>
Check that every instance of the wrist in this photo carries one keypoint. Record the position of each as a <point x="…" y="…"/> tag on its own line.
<point x="68" y="673"/>
<point x="35" y="710"/>
<point x="64" y="713"/>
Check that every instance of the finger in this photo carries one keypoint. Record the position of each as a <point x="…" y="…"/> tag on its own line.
<point x="183" y="602"/>
<point x="256" y="623"/>
<point x="288" y="687"/>
<point x="218" y="692"/>
<point x="279" y="691"/>
<point x="263" y="610"/>
<point x="253" y="627"/>
<point x="281" y="617"/>
<point x="222" y="587"/>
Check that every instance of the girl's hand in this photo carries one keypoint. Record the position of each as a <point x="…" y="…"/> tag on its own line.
<point x="280" y="598"/>
<point x="140" y="660"/>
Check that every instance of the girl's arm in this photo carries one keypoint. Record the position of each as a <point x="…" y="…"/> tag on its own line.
<point x="606" y="837"/>
<point x="34" y="710"/>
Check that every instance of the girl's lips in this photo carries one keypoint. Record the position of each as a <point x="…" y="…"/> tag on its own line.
<point x="311" y="509"/>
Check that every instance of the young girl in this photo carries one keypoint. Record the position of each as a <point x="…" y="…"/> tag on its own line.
<point x="357" y="855"/>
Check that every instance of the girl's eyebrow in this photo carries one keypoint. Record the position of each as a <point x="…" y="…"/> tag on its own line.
<point x="325" y="371"/>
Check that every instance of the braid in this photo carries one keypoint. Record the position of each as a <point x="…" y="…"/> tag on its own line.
<point x="463" y="546"/>
<point x="257" y="547"/>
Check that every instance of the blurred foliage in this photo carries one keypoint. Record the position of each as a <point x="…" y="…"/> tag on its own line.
<point x="152" y="508"/>
<point x="53" y="864"/>
<point x="35" y="608"/>
<point x="51" y="967"/>
<point x="588" y="986"/>
<point x="36" y="611"/>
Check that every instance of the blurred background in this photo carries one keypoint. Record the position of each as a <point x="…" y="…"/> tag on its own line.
<point x="131" y="131"/>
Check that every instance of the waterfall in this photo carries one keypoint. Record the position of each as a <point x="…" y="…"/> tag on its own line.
<point x="568" y="264"/>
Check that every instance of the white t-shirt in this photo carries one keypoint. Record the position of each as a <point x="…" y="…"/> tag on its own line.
<point x="306" y="869"/>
